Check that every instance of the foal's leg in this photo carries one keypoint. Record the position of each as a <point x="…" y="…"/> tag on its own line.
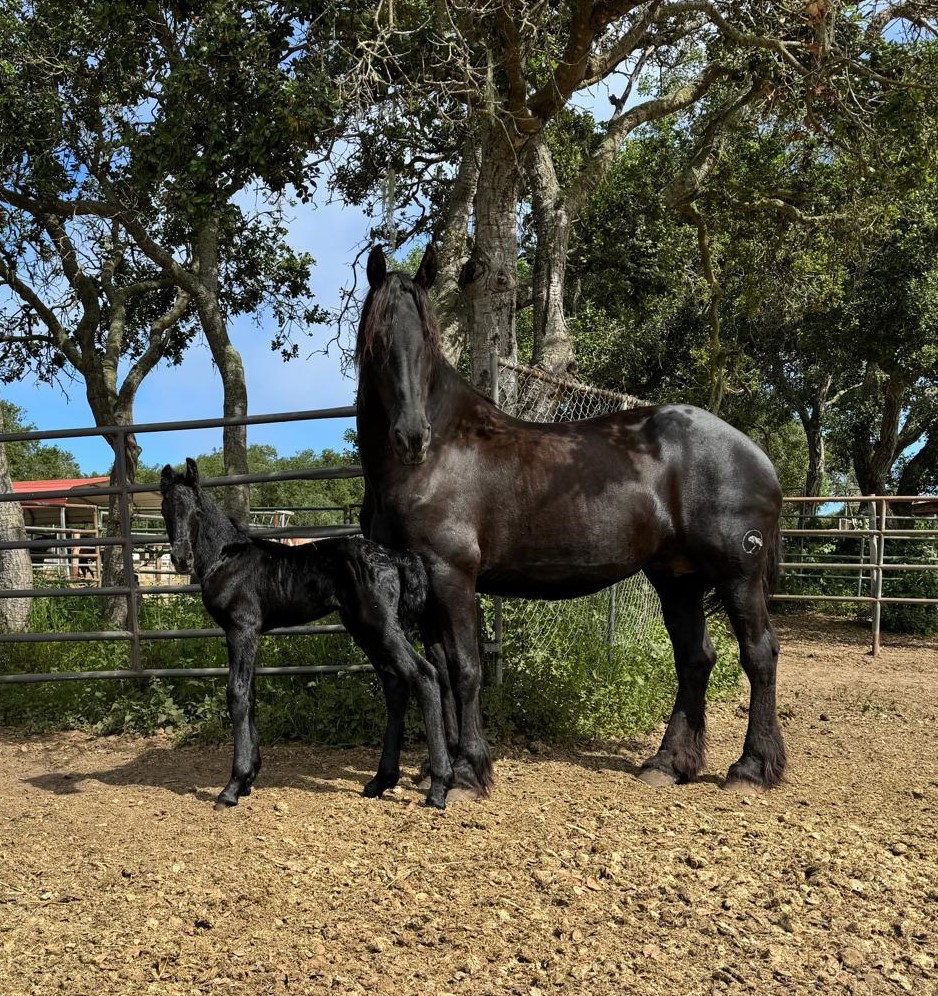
<point x="242" y="650"/>
<point x="396" y="695"/>
<point x="681" y="754"/>
<point x="420" y="674"/>
<point x="401" y="667"/>
<point x="433" y="649"/>
<point x="762" y="763"/>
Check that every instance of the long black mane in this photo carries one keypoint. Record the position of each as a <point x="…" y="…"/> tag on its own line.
<point x="537" y="510"/>
<point x="377" y="312"/>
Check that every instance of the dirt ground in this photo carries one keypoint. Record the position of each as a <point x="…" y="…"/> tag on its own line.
<point x="117" y="876"/>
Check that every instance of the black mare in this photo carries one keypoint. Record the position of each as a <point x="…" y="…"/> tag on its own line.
<point x="508" y="507"/>
<point x="252" y="585"/>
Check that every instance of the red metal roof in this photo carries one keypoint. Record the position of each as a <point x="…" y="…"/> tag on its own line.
<point x="68" y="482"/>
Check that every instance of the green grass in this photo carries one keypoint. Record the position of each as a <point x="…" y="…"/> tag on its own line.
<point x="580" y="690"/>
<point x="587" y="690"/>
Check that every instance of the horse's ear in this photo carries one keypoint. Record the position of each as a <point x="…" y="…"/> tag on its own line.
<point x="426" y="272"/>
<point x="192" y="472"/>
<point x="377" y="268"/>
<point x="166" y="479"/>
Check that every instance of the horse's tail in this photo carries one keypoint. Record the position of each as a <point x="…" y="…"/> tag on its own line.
<point x="415" y="587"/>
<point x="773" y="557"/>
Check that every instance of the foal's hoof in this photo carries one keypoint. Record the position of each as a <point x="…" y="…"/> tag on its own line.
<point x="222" y="804"/>
<point x="378" y="785"/>
<point x="656" y="778"/>
<point x="742" y="786"/>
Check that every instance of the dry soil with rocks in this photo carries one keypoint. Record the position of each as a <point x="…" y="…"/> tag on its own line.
<point x="118" y="877"/>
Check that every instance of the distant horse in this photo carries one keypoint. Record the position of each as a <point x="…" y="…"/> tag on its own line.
<point x="251" y="585"/>
<point x="559" y="510"/>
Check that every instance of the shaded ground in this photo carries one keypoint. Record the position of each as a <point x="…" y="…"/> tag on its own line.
<point x="117" y="877"/>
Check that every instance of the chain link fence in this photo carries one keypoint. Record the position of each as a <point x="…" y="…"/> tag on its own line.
<point x="619" y="616"/>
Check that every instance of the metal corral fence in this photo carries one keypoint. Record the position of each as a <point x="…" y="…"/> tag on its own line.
<point x="852" y="548"/>
<point x="129" y="540"/>
<point x="870" y="523"/>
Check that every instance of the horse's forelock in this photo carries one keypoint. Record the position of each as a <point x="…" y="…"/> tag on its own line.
<point x="376" y="318"/>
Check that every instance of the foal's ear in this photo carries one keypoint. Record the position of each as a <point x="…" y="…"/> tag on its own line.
<point x="192" y="472"/>
<point x="377" y="268"/>
<point x="166" y="479"/>
<point x="426" y="272"/>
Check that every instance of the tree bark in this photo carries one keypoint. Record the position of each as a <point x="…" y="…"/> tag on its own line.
<point x="874" y="455"/>
<point x="490" y="276"/>
<point x="118" y="610"/>
<point x="553" y="224"/>
<point x="454" y="250"/>
<point x="16" y="569"/>
<point x="230" y="368"/>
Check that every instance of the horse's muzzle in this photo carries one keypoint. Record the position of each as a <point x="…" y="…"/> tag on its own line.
<point x="410" y="447"/>
<point x="181" y="556"/>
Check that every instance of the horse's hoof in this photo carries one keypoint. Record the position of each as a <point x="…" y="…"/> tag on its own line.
<point x="463" y="794"/>
<point x="435" y="803"/>
<point x="372" y="790"/>
<point x="742" y="786"/>
<point x="656" y="778"/>
<point x="224" y="804"/>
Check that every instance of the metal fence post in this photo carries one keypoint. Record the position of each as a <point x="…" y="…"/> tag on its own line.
<point x="497" y="627"/>
<point x="877" y="542"/>
<point x="611" y="620"/>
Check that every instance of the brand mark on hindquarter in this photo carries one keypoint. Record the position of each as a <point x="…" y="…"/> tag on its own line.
<point x="752" y="541"/>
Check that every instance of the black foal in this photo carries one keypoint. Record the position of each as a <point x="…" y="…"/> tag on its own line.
<point x="252" y="585"/>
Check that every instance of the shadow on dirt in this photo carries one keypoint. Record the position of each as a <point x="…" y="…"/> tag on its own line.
<point x="203" y="771"/>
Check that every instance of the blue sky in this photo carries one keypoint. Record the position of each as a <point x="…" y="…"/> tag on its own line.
<point x="334" y="234"/>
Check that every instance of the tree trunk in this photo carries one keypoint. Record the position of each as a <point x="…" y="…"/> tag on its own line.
<point x="454" y="251"/>
<point x="874" y="450"/>
<point x="230" y="369"/>
<point x="117" y="610"/>
<point x="16" y="569"/>
<point x="553" y="350"/>
<point x="924" y="462"/>
<point x="489" y="278"/>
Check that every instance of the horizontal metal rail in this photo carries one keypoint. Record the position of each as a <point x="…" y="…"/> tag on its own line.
<point x="105" y="635"/>
<point x="880" y="527"/>
<point x="874" y="535"/>
<point x="179" y="672"/>
<point x="808" y="565"/>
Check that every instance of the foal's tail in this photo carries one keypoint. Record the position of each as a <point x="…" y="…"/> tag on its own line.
<point x="415" y="586"/>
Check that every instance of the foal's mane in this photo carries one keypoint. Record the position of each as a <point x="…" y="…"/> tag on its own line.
<point x="376" y="317"/>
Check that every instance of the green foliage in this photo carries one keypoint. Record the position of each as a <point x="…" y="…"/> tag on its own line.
<point x="918" y="619"/>
<point x="32" y="460"/>
<point x="339" y="498"/>
<point x="326" y="708"/>
<point x="574" y="686"/>
<point x="554" y="688"/>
